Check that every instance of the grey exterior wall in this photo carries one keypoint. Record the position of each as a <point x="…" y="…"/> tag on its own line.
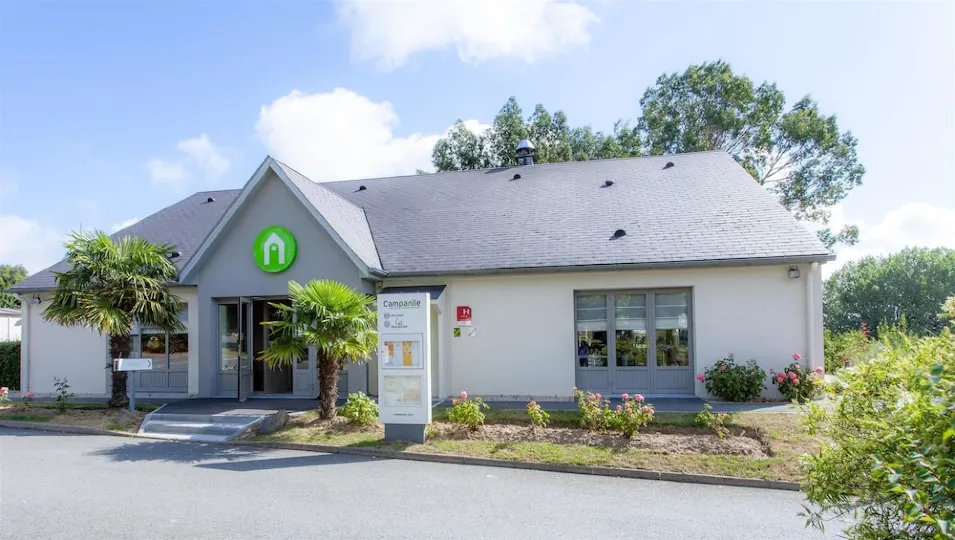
<point x="228" y="269"/>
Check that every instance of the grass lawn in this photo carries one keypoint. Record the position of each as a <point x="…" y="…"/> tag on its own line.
<point x="783" y="436"/>
<point x="82" y="414"/>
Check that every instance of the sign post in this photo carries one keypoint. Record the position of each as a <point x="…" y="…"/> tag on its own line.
<point x="132" y="364"/>
<point x="404" y="365"/>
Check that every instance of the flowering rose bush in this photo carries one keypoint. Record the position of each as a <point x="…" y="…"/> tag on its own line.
<point x="632" y="415"/>
<point x="594" y="410"/>
<point x="797" y="383"/>
<point x="28" y="399"/>
<point x="539" y="417"/>
<point x="727" y="380"/>
<point x="4" y="394"/>
<point x="467" y="412"/>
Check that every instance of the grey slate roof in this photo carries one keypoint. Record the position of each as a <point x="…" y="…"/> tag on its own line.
<point x="346" y="218"/>
<point x="705" y="210"/>
<point x="184" y="224"/>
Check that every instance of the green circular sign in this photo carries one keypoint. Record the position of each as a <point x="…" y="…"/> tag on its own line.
<point x="274" y="249"/>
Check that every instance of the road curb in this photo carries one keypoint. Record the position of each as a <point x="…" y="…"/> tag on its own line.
<point x="384" y="453"/>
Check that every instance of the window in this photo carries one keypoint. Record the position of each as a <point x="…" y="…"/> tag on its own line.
<point x="167" y="351"/>
<point x="645" y="327"/>
<point x="630" y="323"/>
<point x="672" y="333"/>
<point x="592" y="331"/>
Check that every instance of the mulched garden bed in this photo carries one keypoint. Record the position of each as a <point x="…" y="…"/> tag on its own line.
<point x="663" y="439"/>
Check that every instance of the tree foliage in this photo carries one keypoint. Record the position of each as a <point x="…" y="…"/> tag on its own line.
<point x="331" y="317"/>
<point x="799" y="153"/>
<point x="10" y="275"/>
<point x="888" y="465"/>
<point x="910" y="285"/>
<point x="112" y="285"/>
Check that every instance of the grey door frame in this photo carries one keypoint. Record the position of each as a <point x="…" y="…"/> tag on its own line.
<point x="651" y="369"/>
<point x="244" y="324"/>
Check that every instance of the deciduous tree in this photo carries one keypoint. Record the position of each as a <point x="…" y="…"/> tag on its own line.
<point x="10" y="275"/>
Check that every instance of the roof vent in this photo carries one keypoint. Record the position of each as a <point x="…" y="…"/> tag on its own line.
<point x="361" y="188"/>
<point x="525" y="152"/>
<point x="174" y="254"/>
<point x="516" y="177"/>
<point x="668" y="165"/>
<point x="210" y="199"/>
<point x="619" y="233"/>
<point x="607" y="183"/>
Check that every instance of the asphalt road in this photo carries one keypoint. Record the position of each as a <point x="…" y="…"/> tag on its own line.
<point x="83" y="487"/>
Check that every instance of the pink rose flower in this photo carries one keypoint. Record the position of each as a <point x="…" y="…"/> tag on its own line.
<point x="28" y="395"/>
<point x="700" y="377"/>
<point x="625" y="397"/>
<point x="638" y="398"/>
<point x="4" y="390"/>
<point x="464" y="395"/>
<point x="819" y="370"/>
<point x="780" y="378"/>
<point x="627" y="406"/>
<point x="645" y="409"/>
<point x="792" y="374"/>
<point x="619" y="408"/>
<point x="597" y="396"/>
<point x="533" y="403"/>
<point x="796" y="382"/>
<point x="798" y="366"/>
<point x="796" y="356"/>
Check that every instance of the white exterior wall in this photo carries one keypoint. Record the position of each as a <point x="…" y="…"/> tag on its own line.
<point x="81" y="356"/>
<point x="525" y="341"/>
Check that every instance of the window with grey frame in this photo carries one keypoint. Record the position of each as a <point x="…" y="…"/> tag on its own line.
<point x="168" y="351"/>
<point x="623" y="324"/>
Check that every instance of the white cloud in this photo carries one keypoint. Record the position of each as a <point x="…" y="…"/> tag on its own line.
<point x="340" y="134"/>
<point x="116" y="227"/>
<point x="27" y="242"/>
<point x="390" y="32"/>
<point x="199" y="157"/>
<point x="912" y="224"/>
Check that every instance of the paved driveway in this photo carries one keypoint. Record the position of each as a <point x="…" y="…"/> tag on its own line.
<point x="83" y="487"/>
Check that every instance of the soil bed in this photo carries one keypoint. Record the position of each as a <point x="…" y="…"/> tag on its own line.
<point x="99" y="418"/>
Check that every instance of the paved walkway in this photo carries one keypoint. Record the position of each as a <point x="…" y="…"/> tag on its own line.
<point x="88" y="487"/>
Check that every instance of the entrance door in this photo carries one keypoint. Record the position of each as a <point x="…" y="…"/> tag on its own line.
<point x="633" y="342"/>
<point x="244" y="328"/>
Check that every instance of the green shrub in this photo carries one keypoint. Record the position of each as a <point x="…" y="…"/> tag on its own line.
<point x="64" y="398"/>
<point x="632" y="415"/>
<point x="10" y="364"/>
<point x="467" y="412"/>
<point x="797" y="383"/>
<point x="732" y="382"/>
<point x="539" y="417"/>
<point x="848" y="348"/>
<point x="889" y="463"/>
<point x="360" y="409"/>
<point x="594" y="410"/>
<point x="716" y="422"/>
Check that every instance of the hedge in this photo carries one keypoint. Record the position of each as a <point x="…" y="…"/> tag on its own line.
<point x="10" y="364"/>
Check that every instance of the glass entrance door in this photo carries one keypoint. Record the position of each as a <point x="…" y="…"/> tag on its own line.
<point x="244" y="328"/>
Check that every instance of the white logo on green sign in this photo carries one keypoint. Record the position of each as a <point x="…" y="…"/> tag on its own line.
<point x="274" y="249"/>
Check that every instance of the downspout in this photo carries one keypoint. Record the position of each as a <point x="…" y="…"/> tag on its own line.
<point x="24" y="344"/>
<point x="811" y="316"/>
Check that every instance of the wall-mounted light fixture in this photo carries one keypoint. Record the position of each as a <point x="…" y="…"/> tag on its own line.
<point x="793" y="272"/>
<point x="35" y="299"/>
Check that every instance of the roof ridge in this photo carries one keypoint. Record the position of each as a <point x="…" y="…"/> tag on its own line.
<point x="319" y="184"/>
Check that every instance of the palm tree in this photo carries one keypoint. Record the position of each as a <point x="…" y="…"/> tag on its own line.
<point x="112" y="285"/>
<point x="331" y="317"/>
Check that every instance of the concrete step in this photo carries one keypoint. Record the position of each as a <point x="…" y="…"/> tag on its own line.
<point x="198" y="427"/>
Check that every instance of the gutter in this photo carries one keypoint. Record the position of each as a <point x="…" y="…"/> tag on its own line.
<point x="756" y="261"/>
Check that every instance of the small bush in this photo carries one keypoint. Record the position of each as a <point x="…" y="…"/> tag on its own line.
<point x="732" y="382"/>
<point x="797" y="383"/>
<point x="10" y="364"/>
<point x="28" y="399"/>
<point x="539" y="417"/>
<point x="716" y="422"/>
<point x="63" y="395"/>
<point x="4" y="394"/>
<point x="594" y="410"/>
<point x="632" y="415"/>
<point x="360" y="409"/>
<point x="467" y="412"/>
<point x="848" y="348"/>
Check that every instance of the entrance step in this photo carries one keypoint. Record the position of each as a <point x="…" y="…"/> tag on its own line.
<point x="200" y="427"/>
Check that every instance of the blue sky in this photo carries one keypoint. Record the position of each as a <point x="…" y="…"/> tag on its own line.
<point x="111" y="110"/>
